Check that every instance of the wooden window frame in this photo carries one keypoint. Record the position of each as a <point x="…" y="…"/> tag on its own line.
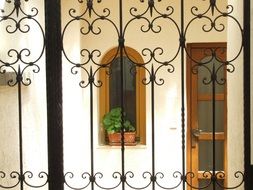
<point x="104" y="95"/>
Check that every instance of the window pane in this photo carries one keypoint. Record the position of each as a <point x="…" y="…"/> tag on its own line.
<point x="129" y="88"/>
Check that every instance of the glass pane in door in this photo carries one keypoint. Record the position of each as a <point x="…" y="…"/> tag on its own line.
<point x="205" y="116"/>
<point x="204" y="183"/>
<point x="206" y="155"/>
<point x="204" y="76"/>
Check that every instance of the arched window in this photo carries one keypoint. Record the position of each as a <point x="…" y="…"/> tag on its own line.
<point x="134" y="90"/>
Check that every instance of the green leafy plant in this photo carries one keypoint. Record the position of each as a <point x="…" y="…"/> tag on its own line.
<point x="112" y="122"/>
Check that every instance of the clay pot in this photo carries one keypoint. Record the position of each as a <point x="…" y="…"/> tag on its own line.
<point x="115" y="139"/>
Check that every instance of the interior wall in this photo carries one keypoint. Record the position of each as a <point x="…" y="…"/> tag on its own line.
<point x="235" y="110"/>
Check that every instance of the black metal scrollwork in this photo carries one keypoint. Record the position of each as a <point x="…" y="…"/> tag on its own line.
<point x="150" y="18"/>
<point x="17" y="21"/>
<point x="213" y="65"/>
<point x="150" y="26"/>
<point x="14" y="175"/>
<point x="19" y="61"/>
<point x="25" y="178"/>
<point x="88" y="55"/>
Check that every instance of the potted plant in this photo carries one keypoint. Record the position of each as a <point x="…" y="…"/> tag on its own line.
<point x="112" y="124"/>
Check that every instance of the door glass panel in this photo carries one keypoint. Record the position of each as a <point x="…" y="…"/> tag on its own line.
<point x="205" y="116"/>
<point x="206" y="155"/>
<point x="204" y="183"/>
<point x="204" y="74"/>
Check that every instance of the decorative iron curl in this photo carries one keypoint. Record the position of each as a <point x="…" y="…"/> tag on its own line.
<point x="229" y="67"/>
<point x="151" y="8"/>
<point x="84" y="176"/>
<point x="13" y="175"/>
<point x="191" y="175"/>
<point x="214" y="25"/>
<point x="146" y="52"/>
<point x="144" y="175"/>
<point x="222" y="80"/>
<point x="115" y="175"/>
<point x="90" y="9"/>
<point x="212" y="55"/>
<point x="229" y="9"/>
<point x="17" y="8"/>
<point x="150" y="23"/>
<point x="19" y="55"/>
<point x="222" y="175"/>
<point x="176" y="174"/>
<point x="195" y="11"/>
<point x="85" y="53"/>
<point x="152" y="56"/>
<point x="90" y="75"/>
<point x="20" y="77"/>
<point x="41" y="175"/>
<point x="214" y="71"/>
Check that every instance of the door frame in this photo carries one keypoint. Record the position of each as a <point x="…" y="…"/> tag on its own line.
<point x="191" y="116"/>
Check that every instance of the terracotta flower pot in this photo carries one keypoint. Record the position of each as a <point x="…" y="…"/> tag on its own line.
<point x="115" y="139"/>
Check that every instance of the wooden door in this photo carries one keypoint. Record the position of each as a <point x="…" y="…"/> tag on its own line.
<point x="206" y="113"/>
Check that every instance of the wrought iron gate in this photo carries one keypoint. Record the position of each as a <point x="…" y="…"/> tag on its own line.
<point x="93" y="19"/>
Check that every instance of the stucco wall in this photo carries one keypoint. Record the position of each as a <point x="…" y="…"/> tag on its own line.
<point x="235" y="110"/>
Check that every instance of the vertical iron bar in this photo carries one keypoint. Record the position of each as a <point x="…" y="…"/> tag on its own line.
<point x="247" y="94"/>
<point x="214" y="119"/>
<point x="19" y="79"/>
<point x="54" y="94"/>
<point x="121" y="46"/>
<point x="153" y="125"/>
<point x="91" y="79"/>
<point x="182" y="42"/>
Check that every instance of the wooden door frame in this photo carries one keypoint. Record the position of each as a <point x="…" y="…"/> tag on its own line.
<point x="190" y="94"/>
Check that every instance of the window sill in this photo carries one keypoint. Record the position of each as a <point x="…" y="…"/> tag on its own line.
<point x="138" y="146"/>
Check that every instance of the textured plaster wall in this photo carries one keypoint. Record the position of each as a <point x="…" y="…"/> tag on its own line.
<point x="235" y="110"/>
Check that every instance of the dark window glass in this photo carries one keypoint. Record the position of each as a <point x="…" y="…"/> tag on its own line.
<point x="129" y="88"/>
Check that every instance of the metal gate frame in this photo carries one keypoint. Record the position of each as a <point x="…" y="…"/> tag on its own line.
<point x="54" y="94"/>
<point x="54" y="47"/>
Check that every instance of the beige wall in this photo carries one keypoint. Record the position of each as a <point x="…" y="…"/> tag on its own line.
<point x="235" y="110"/>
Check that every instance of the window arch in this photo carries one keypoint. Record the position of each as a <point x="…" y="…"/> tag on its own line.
<point x="105" y="92"/>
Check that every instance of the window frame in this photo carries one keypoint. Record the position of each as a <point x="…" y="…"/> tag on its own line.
<point x="104" y="103"/>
